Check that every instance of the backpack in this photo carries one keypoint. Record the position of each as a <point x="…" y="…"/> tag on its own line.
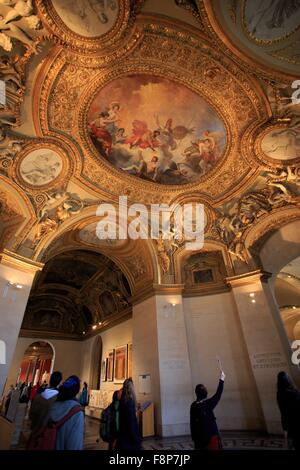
<point x="45" y="438"/>
<point x="108" y="423"/>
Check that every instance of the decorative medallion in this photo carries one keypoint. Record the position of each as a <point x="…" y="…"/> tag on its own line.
<point x="81" y="23"/>
<point x="155" y="129"/>
<point x="278" y="144"/>
<point x="40" y="167"/>
<point x="281" y="144"/>
<point x="89" y="18"/>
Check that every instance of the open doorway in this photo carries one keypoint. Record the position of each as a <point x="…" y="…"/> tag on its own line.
<point x="37" y="363"/>
<point x="287" y="293"/>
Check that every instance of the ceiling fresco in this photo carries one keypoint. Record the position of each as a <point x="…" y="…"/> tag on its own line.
<point x="155" y="129"/>
<point x="162" y="102"/>
<point x="267" y="31"/>
<point x="271" y="20"/>
<point x="75" y="291"/>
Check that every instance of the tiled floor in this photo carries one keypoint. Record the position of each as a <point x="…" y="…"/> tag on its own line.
<point x="231" y="440"/>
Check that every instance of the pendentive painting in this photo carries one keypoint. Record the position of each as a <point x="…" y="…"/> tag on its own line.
<point x="89" y="18"/>
<point x="156" y="129"/>
<point x="269" y="20"/>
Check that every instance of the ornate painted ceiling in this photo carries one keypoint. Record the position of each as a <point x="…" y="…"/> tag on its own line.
<point x="164" y="102"/>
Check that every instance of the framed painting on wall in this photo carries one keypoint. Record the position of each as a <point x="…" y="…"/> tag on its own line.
<point x="103" y="370"/>
<point x="110" y="366"/>
<point x="120" y="363"/>
<point x="129" y="360"/>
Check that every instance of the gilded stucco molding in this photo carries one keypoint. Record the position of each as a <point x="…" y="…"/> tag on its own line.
<point x="20" y="263"/>
<point x="206" y="68"/>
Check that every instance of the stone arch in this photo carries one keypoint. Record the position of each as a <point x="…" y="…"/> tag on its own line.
<point x="136" y="258"/>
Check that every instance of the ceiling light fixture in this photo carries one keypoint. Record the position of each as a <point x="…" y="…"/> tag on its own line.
<point x="94" y="327"/>
<point x="251" y="294"/>
<point x="253" y="301"/>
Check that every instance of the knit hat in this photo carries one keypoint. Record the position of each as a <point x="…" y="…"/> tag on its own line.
<point x="69" y="389"/>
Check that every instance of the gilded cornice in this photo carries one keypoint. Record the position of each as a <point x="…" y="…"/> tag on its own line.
<point x="20" y="263"/>
<point x="248" y="278"/>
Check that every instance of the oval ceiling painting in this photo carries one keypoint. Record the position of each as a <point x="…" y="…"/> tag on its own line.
<point x="268" y="20"/>
<point x="89" y="18"/>
<point x="156" y="129"/>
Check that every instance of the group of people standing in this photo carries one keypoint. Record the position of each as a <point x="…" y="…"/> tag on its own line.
<point x="57" y="404"/>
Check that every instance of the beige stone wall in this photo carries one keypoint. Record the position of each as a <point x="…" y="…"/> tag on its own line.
<point x="118" y="335"/>
<point x="213" y="328"/>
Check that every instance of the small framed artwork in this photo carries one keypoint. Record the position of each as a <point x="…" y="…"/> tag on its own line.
<point x="103" y="370"/>
<point x="120" y="364"/>
<point x="202" y="276"/>
<point x="129" y="360"/>
<point x="110" y="366"/>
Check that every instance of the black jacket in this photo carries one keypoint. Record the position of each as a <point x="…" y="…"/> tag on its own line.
<point x="128" y="435"/>
<point x="202" y="418"/>
<point x="289" y="405"/>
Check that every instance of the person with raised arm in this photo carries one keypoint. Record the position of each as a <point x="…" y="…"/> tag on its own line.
<point x="204" y="429"/>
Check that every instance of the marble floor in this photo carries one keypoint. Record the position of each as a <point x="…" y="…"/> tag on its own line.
<point x="231" y="440"/>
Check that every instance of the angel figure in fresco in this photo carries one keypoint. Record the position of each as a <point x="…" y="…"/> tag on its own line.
<point x="142" y="137"/>
<point x="112" y="119"/>
<point x="202" y="154"/>
<point x="165" y="134"/>
<point x="100" y="133"/>
<point x="206" y="151"/>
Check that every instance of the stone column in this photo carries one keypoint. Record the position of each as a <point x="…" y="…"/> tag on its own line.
<point x="160" y="349"/>
<point x="16" y="277"/>
<point x="259" y="315"/>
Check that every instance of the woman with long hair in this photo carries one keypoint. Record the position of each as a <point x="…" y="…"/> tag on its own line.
<point x="128" y="435"/>
<point x="288" y="399"/>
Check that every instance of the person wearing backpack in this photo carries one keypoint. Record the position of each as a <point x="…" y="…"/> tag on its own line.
<point x="109" y="422"/>
<point x="70" y="434"/>
<point x="42" y="403"/>
<point x="204" y="429"/>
